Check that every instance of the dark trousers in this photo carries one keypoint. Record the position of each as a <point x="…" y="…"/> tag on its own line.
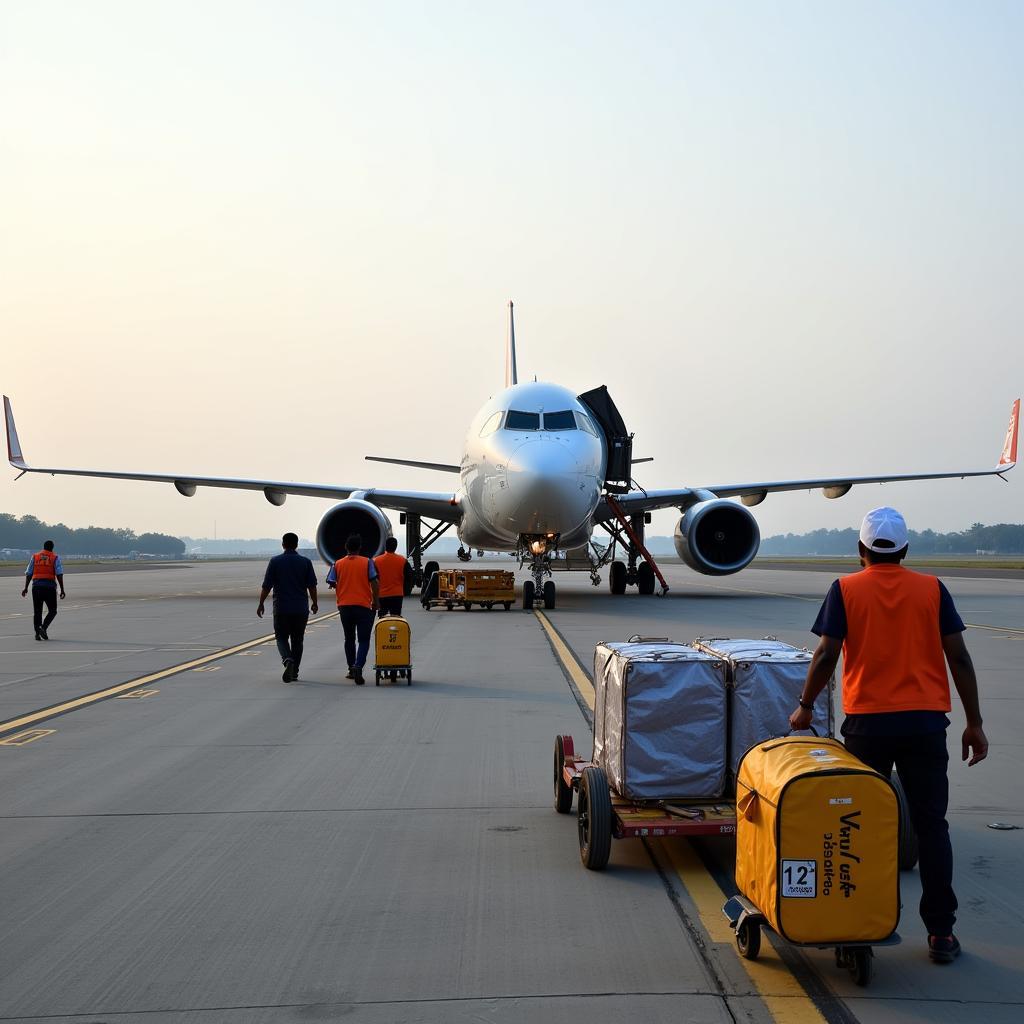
<point x="43" y="595"/>
<point x="356" y="620"/>
<point x="289" y="631"/>
<point x="921" y="762"/>
<point x="390" y="605"/>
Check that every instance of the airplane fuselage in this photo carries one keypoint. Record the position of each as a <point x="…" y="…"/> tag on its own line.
<point x="533" y="467"/>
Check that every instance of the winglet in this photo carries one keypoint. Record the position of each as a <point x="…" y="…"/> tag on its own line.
<point x="511" y="376"/>
<point x="1009" y="457"/>
<point x="14" y="453"/>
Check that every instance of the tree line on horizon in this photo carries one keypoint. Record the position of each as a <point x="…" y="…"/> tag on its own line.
<point x="28" y="532"/>
<point x="1000" y="539"/>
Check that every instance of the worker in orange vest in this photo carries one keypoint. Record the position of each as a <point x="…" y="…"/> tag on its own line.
<point x="45" y="573"/>
<point x="391" y="572"/>
<point x="897" y="631"/>
<point x="354" y="578"/>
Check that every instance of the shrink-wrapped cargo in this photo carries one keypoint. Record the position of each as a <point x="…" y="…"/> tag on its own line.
<point x="817" y="836"/>
<point x="766" y="678"/>
<point x="660" y="720"/>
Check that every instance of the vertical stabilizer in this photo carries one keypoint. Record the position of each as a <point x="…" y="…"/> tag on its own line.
<point x="511" y="376"/>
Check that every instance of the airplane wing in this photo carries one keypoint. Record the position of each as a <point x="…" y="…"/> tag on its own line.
<point x="832" y="487"/>
<point x="435" y="505"/>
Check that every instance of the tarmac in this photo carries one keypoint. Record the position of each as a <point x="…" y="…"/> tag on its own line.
<point x="208" y="843"/>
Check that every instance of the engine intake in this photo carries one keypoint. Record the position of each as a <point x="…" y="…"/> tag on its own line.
<point x="717" y="537"/>
<point x="349" y="517"/>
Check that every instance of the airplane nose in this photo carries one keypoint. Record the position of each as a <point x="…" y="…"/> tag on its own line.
<point x="548" y="490"/>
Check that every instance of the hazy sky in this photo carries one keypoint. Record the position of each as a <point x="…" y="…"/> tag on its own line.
<point x="267" y="239"/>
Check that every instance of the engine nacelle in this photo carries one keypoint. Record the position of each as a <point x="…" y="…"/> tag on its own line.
<point x="349" y="517"/>
<point x="717" y="537"/>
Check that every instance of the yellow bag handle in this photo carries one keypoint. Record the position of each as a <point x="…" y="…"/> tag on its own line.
<point x="747" y="805"/>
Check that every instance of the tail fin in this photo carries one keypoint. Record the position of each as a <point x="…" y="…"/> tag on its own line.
<point x="1009" y="455"/>
<point x="511" y="376"/>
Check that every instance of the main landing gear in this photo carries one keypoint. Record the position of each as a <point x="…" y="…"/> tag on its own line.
<point x="640" y="569"/>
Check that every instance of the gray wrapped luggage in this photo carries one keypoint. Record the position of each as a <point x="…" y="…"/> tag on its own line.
<point x="766" y="678"/>
<point x="660" y="720"/>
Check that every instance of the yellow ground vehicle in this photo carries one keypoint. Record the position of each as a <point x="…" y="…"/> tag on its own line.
<point x="468" y="587"/>
<point x="392" y="646"/>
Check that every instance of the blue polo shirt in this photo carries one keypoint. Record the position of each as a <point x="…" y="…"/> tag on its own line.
<point x="290" y="575"/>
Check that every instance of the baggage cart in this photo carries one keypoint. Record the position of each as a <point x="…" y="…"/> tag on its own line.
<point x="467" y="587"/>
<point x="392" y="647"/>
<point x="817" y="851"/>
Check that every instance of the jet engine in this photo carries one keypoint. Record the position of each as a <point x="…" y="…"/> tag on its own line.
<point x="717" y="537"/>
<point x="346" y="518"/>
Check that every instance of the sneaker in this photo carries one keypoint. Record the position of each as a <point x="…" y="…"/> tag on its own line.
<point x="943" y="949"/>
<point x="351" y="673"/>
<point x="295" y="673"/>
<point x="42" y="633"/>
<point x="358" y="676"/>
<point x="289" y="671"/>
<point x="39" y="636"/>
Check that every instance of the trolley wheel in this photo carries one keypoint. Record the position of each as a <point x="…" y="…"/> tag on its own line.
<point x="748" y="939"/>
<point x="862" y="962"/>
<point x="594" y="818"/>
<point x="563" y="793"/>
<point x="549" y="594"/>
<point x="617" y="578"/>
<point x="645" y="578"/>
<point x="528" y="591"/>
<point x="449" y="605"/>
<point x="408" y="677"/>
<point x="376" y="677"/>
<point x="508" y="605"/>
<point x="908" y="846"/>
<point x="468" y="605"/>
<point x="489" y="605"/>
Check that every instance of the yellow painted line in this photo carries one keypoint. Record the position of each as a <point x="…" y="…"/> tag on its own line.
<point x="19" y="739"/>
<point x="781" y="993"/>
<point x="994" y="629"/>
<point x="198" y="664"/>
<point x="134" y="694"/>
<point x="580" y="679"/>
<point x="783" y="996"/>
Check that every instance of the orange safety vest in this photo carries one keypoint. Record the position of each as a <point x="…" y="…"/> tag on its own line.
<point x="892" y="655"/>
<point x="391" y="572"/>
<point x="44" y="566"/>
<point x="353" y="585"/>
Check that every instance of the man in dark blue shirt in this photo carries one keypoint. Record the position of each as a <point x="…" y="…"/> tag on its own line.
<point x="290" y="576"/>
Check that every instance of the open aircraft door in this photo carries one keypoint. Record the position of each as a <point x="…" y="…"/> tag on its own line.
<point x="620" y="442"/>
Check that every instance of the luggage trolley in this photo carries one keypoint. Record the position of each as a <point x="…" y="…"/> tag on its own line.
<point x="392" y="646"/>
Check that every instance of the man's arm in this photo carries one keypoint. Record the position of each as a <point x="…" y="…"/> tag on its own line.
<point x="28" y="577"/>
<point x="375" y="588"/>
<point x="60" y="583"/>
<point x="974" y="743"/>
<point x="311" y="587"/>
<point x="819" y="672"/>
<point x="268" y="585"/>
<point x="264" y="594"/>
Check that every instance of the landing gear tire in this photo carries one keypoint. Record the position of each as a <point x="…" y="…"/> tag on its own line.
<point x="645" y="578"/>
<point x="748" y="939"/>
<point x="594" y="818"/>
<point x="528" y="592"/>
<point x="549" y="595"/>
<point x="617" y="578"/>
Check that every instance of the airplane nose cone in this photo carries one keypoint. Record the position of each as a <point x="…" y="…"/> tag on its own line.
<point x="549" y="493"/>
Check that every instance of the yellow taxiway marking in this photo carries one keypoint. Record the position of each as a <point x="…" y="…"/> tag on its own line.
<point x="782" y="994"/>
<point x="197" y="664"/>
<point x="136" y="694"/>
<point x="19" y="739"/>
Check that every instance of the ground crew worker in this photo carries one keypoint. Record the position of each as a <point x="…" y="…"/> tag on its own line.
<point x="897" y="630"/>
<point x="392" y="569"/>
<point x="354" y="578"/>
<point x="290" y="576"/>
<point x="45" y="572"/>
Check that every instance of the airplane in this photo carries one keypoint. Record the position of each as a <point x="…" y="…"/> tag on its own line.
<point x="541" y="468"/>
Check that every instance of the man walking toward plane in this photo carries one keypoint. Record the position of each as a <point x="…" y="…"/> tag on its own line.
<point x="45" y="572"/>
<point x="354" y="579"/>
<point x="290" y="576"/>
<point x="897" y="630"/>
<point x="391" y="572"/>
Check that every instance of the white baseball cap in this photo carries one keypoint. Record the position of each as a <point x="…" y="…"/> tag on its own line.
<point x="884" y="531"/>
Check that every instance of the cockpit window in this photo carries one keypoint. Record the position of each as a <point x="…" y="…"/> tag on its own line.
<point x="586" y="424"/>
<point x="522" y="420"/>
<point x="559" y="420"/>
<point x="491" y="425"/>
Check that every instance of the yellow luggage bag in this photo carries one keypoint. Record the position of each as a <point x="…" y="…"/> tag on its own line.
<point x="392" y="646"/>
<point x="817" y="843"/>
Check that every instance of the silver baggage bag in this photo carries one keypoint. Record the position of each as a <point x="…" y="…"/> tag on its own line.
<point x="660" y="720"/>
<point x="766" y="678"/>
